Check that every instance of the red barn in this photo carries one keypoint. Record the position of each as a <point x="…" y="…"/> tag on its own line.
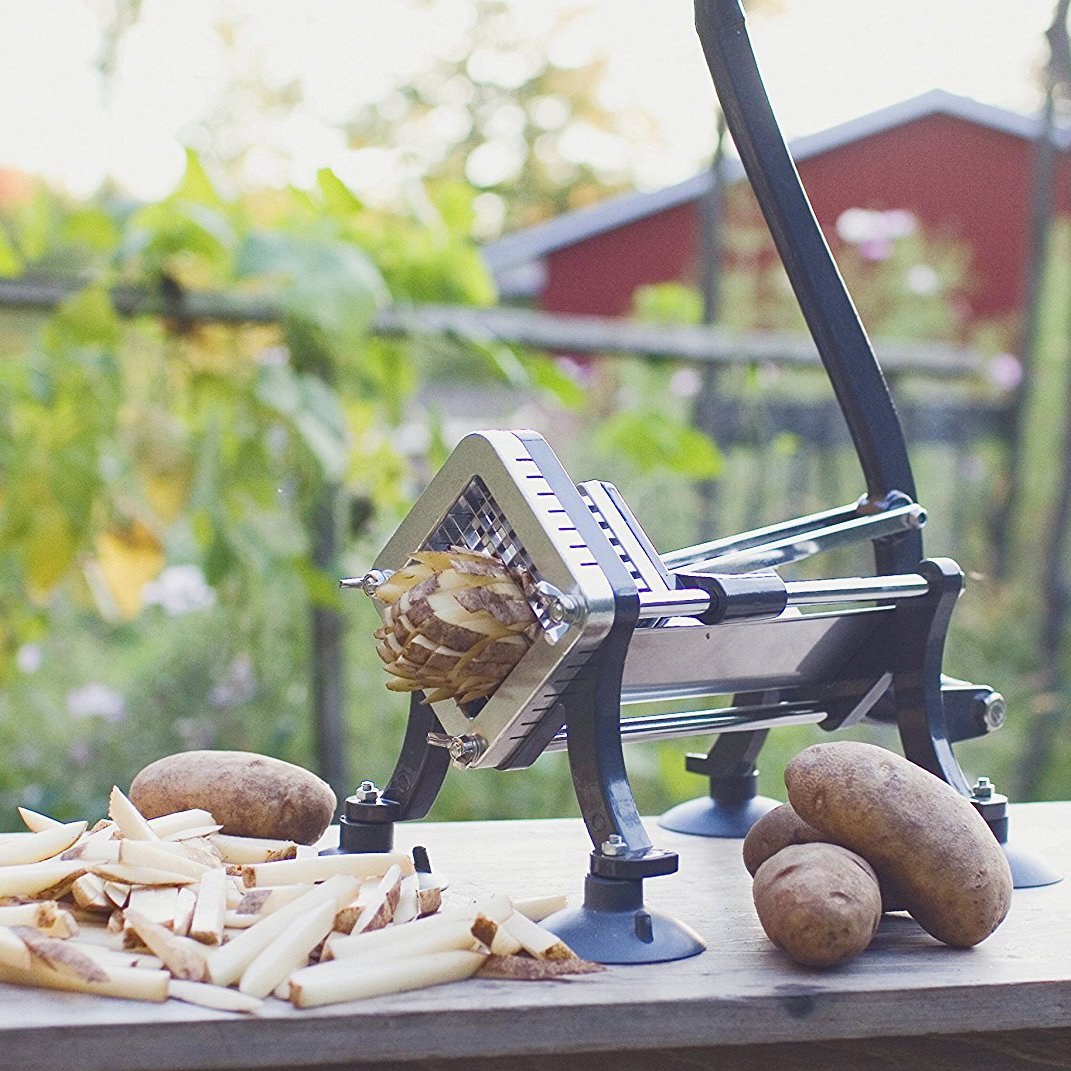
<point x="962" y="168"/>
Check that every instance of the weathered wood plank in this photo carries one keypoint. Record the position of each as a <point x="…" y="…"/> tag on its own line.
<point x="741" y="992"/>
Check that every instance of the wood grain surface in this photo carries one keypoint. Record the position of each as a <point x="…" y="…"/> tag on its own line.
<point x="741" y="1004"/>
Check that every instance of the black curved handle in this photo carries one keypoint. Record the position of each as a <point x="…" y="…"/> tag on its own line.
<point x="842" y="342"/>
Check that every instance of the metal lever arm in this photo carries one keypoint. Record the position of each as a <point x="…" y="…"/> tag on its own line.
<point x="833" y="321"/>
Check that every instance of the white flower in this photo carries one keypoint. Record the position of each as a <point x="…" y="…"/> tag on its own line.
<point x="179" y="589"/>
<point x="685" y="383"/>
<point x="29" y="658"/>
<point x="96" y="701"/>
<point x="921" y="279"/>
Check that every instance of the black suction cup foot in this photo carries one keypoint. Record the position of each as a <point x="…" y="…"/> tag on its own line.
<point x="613" y="926"/>
<point x="707" y="817"/>
<point x="1028" y="871"/>
<point x="366" y="823"/>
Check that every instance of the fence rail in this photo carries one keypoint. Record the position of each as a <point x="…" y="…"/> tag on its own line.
<point x="526" y="327"/>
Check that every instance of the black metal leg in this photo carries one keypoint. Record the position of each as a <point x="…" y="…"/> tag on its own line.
<point x="612" y="925"/>
<point x="733" y="804"/>
<point x="368" y="816"/>
<point x="917" y="646"/>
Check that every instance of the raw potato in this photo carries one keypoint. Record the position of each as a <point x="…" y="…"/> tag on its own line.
<point x="819" y="903"/>
<point x="455" y="623"/>
<point x="250" y="795"/>
<point x="911" y="826"/>
<point x="781" y="827"/>
<point x="775" y="830"/>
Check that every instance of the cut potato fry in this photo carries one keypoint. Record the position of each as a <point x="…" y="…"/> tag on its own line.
<point x="40" y="846"/>
<point x="132" y="983"/>
<point x="536" y="941"/>
<point x="141" y="853"/>
<point x="185" y="959"/>
<point x="128" y="818"/>
<point x="428" y="901"/>
<point x="265" y="901"/>
<point x="185" y="905"/>
<point x="36" y="879"/>
<point x="328" y="984"/>
<point x="40" y="915"/>
<point x="156" y="903"/>
<point x="118" y="893"/>
<point x="35" y="822"/>
<point x="138" y="875"/>
<point x="300" y="871"/>
<point x="213" y="996"/>
<point x="88" y="892"/>
<point x="195" y="833"/>
<point x="379" y="910"/>
<point x="438" y="934"/>
<point x="504" y="943"/>
<point x="252" y="849"/>
<point x="408" y="907"/>
<point x="227" y="962"/>
<point x="537" y="908"/>
<point x="14" y="952"/>
<point x="95" y="848"/>
<point x="59" y="954"/>
<point x="289" y="952"/>
<point x="180" y="821"/>
<point x="206" y="925"/>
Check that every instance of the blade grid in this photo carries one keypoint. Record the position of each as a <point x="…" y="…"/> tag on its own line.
<point x="476" y="522"/>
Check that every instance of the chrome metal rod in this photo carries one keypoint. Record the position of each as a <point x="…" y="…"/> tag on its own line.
<point x="684" y="602"/>
<point x="701" y="552"/>
<point x="804" y="544"/>
<point x="855" y="589"/>
<point x="699" y="722"/>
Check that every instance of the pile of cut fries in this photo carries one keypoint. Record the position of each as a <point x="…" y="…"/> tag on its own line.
<point x="172" y="907"/>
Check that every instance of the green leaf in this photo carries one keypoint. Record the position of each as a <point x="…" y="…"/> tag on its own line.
<point x="88" y="318"/>
<point x="91" y="226"/>
<point x="339" y="200"/>
<point x="10" y="262"/>
<point x="314" y="412"/>
<point x="331" y="286"/>
<point x="196" y="186"/>
<point x="652" y="442"/>
<point x="548" y="376"/>
<point x="322" y="588"/>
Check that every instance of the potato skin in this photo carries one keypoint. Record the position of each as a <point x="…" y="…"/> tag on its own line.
<point x="948" y="868"/>
<point x="781" y="827"/>
<point x="775" y="830"/>
<point x="819" y="903"/>
<point x="251" y="795"/>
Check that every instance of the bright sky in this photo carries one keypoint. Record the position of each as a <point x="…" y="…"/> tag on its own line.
<point x="824" y="61"/>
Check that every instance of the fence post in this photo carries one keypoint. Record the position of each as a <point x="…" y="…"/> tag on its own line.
<point x="711" y="226"/>
<point x="1041" y="210"/>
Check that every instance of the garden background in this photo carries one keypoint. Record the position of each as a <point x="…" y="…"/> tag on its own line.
<point x="207" y="416"/>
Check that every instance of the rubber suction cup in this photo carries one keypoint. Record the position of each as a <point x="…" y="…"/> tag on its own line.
<point x="1029" y="871"/>
<point x="613" y="926"/>
<point x="708" y="817"/>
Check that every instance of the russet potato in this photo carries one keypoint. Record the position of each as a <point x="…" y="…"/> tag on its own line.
<point x="913" y="828"/>
<point x="250" y="795"/>
<point x="819" y="903"/>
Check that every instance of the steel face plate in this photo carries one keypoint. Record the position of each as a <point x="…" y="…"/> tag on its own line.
<point x="491" y="495"/>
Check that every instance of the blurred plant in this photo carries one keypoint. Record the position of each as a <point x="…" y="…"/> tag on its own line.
<point x="145" y="454"/>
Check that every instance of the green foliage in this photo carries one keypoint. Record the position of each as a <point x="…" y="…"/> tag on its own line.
<point x="128" y="446"/>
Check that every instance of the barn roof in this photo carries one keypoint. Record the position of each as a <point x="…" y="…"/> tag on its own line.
<point x="515" y="260"/>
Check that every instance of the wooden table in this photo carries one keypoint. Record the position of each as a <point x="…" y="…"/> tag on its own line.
<point x="740" y="1005"/>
